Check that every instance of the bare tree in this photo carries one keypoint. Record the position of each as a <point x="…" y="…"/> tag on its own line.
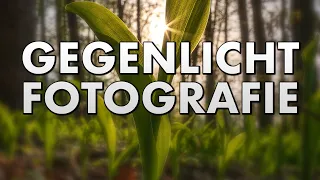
<point x="121" y="5"/>
<point x="194" y="62"/>
<point x="226" y="36"/>
<point x="74" y="36"/>
<point x="303" y="32"/>
<point x="210" y="78"/>
<point x="244" y="30"/>
<point x="194" y="59"/>
<point x="284" y="35"/>
<point x="260" y="38"/>
<point x="16" y="32"/>
<point x="60" y="29"/>
<point x="42" y="15"/>
<point x="139" y="20"/>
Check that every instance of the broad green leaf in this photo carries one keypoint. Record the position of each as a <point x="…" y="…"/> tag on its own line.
<point x="154" y="144"/>
<point x="109" y="132"/>
<point x="163" y="143"/>
<point x="186" y="21"/>
<point x="234" y="145"/>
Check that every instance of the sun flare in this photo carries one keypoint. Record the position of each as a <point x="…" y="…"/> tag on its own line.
<point x="157" y="29"/>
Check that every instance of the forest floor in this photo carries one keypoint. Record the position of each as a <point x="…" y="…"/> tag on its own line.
<point x="32" y="167"/>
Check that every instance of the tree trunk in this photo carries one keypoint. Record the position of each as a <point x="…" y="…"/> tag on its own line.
<point x="139" y="20"/>
<point x="59" y="26"/>
<point x="74" y="37"/>
<point x="120" y="9"/>
<point x="60" y="36"/>
<point x="284" y="35"/>
<point x="210" y="84"/>
<point x="42" y="22"/>
<point x="59" y="21"/>
<point x="194" y="76"/>
<point x="120" y="6"/>
<point x="42" y="19"/>
<point x="16" y="32"/>
<point x="194" y="62"/>
<point x="302" y="31"/>
<point x="260" y="38"/>
<point x="226" y="115"/>
<point x="244" y="30"/>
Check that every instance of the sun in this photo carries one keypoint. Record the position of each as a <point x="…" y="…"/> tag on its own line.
<point x="157" y="29"/>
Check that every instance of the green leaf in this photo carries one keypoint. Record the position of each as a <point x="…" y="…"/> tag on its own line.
<point x="234" y="145"/>
<point x="109" y="132"/>
<point x="107" y="26"/>
<point x="180" y="126"/>
<point x="163" y="143"/>
<point x="186" y="21"/>
<point x="178" y="137"/>
<point x="153" y="132"/>
<point x="221" y="123"/>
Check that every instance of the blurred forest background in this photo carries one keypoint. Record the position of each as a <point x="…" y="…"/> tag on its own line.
<point x="258" y="146"/>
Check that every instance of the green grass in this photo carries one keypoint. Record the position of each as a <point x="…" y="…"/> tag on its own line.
<point x="200" y="145"/>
